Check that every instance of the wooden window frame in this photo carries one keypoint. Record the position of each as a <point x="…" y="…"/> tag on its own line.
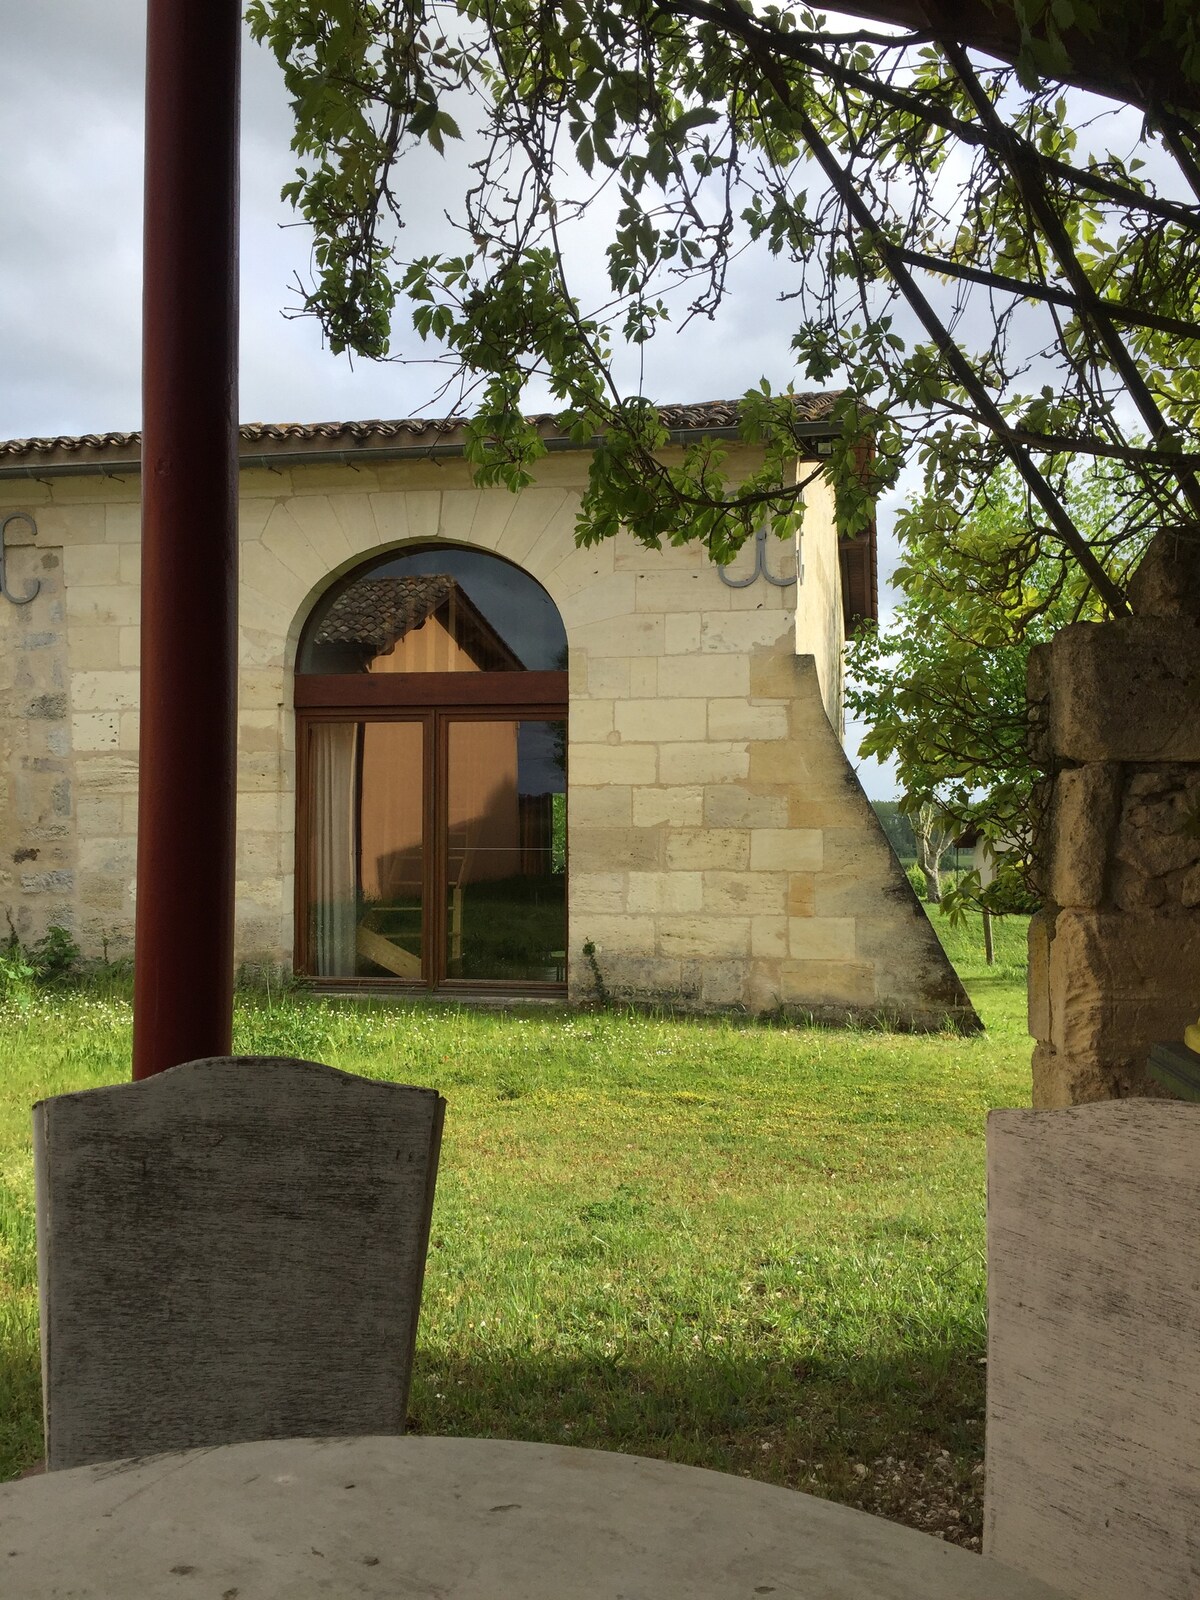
<point x="520" y="699"/>
<point x="405" y="691"/>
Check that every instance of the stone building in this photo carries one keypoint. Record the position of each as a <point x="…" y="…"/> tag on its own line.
<point x="474" y="757"/>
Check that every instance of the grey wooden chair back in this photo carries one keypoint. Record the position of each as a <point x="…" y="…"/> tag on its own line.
<point x="230" y="1250"/>
<point x="1093" y="1411"/>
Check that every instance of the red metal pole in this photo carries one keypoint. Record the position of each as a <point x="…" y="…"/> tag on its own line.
<point x="187" y="787"/>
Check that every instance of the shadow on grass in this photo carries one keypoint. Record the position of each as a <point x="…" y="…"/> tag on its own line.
<point x="20" y="1406"/>
<point x="900" y="1436"/>
<point x="713" y="1402"/>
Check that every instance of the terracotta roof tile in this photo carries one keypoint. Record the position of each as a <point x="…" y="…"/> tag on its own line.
<point x="376" y="612"/>
<point x="378" y="432"/>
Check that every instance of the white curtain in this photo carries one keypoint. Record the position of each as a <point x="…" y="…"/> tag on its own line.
<point x="335" y="847"/>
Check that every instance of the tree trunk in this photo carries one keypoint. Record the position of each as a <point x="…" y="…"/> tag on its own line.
<point x="932" y="841"/>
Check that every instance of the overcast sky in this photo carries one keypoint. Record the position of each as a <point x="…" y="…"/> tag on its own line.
<point x="71" y="85"/>
<point x="71" y="116"/>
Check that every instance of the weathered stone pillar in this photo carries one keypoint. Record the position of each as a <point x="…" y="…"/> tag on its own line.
<point x="1115" y="724"/>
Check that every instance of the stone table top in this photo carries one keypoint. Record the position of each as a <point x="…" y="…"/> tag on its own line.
<point x="457" y="1519"/>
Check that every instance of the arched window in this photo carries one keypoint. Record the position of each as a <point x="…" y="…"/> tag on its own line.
<point x="431" y="692"/>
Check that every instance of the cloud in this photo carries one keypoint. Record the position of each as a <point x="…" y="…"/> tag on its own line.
<point x="71" y="126"/>
<point x="70" y="190"/>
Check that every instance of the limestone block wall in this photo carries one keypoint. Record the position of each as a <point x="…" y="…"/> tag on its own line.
<point x="1115" y="951"/>
<point x="743" y="871"/>
<point x="721" y="851"/>
<point x="87" y="531"/>
<point x="37" y="867"/>
<point x="820" y="625"/>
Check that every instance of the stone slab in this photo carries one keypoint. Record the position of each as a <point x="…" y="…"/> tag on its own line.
<point x="1093" y="1408"/>
<point x="1041" y="929"/>
<point x="1118" y="982"/>
<point x="1086" y="801"/>
<point x="460" y="1519"/>
<point x="1127" y="690"/>
<point x="232" y="1249"/>
<point x="1063" y="1078"/>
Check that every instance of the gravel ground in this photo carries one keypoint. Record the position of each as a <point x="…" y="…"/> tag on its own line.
<point x="938" y="1496"/>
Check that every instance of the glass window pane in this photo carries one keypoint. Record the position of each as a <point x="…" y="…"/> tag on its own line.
<point x="333" y="847"/>
<point x="391" y="854"/>
<point x="443" y="610"/>
<point x="366" y="849"/>
<point x="506" y="851"/>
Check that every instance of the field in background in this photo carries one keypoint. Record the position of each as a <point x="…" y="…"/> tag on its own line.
<point x="746" y="1246"/>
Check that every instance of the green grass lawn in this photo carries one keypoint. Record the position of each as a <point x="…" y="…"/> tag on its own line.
<point x="744" y="1246"/>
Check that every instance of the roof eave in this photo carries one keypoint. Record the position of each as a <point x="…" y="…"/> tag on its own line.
<point x="122" y="457"/>
<point x="64" y="466"/>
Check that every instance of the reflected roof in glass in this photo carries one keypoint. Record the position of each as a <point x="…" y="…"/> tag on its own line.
<point x="497" y="616"/>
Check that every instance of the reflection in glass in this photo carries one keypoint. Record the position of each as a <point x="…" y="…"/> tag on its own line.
<point x="443" y="610"/>
<point x="506" y="851"/>
<point x="367" y="835"/>
<point x="333" y="867"/>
